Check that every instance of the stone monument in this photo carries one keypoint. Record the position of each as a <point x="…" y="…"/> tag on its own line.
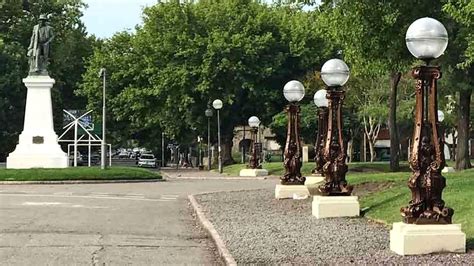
<point x="38" y="143"/>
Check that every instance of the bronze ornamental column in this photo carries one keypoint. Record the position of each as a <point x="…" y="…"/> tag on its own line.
<point x="293" y="92"/>
<point x="321" y="102"/>
<point x="427" y="39"/>
<point x="335" y="74"/>
<point x="254" y="162"/>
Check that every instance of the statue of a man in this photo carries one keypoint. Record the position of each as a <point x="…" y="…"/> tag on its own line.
<point x="38" y="51"/>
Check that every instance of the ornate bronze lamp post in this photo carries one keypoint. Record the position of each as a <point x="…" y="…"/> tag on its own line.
<point x="335" y="74"/>
<point x="293" y="92"/>
<point x="427" y="39"/>
<point x="254" y="163"/>
<point x="321" y="101"/>
<point x="426" y="226"/>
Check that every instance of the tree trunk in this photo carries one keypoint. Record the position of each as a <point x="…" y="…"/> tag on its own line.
<point x="372" y="150"/>
<point x="392" y="123"/>
<point x="462" y="149"/>
<point x="227" y="150"/>
<point x="363" y="151"/>
<point x="349" y="151"/>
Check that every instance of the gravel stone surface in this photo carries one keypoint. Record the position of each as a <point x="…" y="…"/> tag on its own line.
<point x="257" y="228"/>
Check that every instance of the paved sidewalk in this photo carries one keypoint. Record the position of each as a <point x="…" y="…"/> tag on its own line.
<point x="194" y="173"/>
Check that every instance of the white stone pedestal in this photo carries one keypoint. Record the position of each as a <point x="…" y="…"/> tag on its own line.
<point x="288" y="191"/>
<point x="335" y="206"/>
<point x="415" y="239"/>
<point x="313" y="179"/>
<point x="253" y="172"/>
<point x="38" y="143"/>
<point x="448" y="169"/>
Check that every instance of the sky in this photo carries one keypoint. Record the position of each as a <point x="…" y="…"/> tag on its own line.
<point x="105" y="17"/>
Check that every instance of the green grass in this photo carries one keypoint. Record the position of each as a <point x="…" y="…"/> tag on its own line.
<point x="385" y="205"/>
<point x="276" y="168"/>
<point x="80" y="173"/>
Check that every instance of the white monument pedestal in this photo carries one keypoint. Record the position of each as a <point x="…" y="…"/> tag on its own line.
<point x="289" y="191"/>
<point x="253" y="172"/>
<point x="335" y="206"/>
<point x="313" y="179"/>
<point x="38" y="143"/>
<point x="417" y="239"/>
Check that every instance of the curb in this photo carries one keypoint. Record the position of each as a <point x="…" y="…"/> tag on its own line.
<point x="65" y="182"/>
<point x="216" y="177"/>
<point x="223" y="251"/>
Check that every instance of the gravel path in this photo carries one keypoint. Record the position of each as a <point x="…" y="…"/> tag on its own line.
<point x="259" y="229"/>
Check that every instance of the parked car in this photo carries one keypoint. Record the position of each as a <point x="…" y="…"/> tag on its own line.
<point x="147" y="160"/>
<point x="79" y="156"/>
<point x="95" y="158"/>
<point x="123" y="154"/>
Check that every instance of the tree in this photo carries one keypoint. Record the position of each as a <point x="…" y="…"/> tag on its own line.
<point x="186" y="55"/>
<point x="372" y="37"/>
<point x="461" y="57"/>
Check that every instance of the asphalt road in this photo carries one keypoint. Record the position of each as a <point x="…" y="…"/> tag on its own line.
<point x="107" y="224"/>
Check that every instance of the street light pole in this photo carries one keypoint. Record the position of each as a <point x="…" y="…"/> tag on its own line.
<point x="208" y="114"/>
<point x="219" y="150"/>
<point x="254" y="123"/>
<point x="103" y="147"/>
<point x="321" y="101"/>
<point x="427" y="39"/>
<point x="293" y="92"/>
<point x="162" y="149"/>
<point x="217" y="104"/>
<point x="335" y="74"/>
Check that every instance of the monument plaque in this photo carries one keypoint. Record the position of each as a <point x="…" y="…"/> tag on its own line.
<point x="38" y="140"/>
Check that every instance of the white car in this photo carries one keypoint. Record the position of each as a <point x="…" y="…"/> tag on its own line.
<point x="147" y="160"/>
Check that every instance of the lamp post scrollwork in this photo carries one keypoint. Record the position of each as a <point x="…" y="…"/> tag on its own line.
<point x="293" y="92"/>
<point x="254" y="162"/>
<point x="427" y="39"/>
<point x="335" y="74"/>
<point x="321" y="102"/>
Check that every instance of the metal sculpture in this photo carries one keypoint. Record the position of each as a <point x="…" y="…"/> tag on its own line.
<point x="320" y="140"/>
<point x="427" y="158"/>
<point x="334" y="169"/>
<point x="254" y="162"/>
<point x="293" y="149"/>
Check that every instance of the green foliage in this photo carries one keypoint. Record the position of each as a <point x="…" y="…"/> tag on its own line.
<point x="186" y="55"/>
<point x="462" y="11"/>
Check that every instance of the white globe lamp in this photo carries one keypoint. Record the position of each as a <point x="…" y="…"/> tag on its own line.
<point x="320" y="98"/>
<point x="335" y="73"/>
<point x="426" y="38"/>
<point x="254" y="121"/>
<point x="293" y="91"/>
<point x="217" y="104"/>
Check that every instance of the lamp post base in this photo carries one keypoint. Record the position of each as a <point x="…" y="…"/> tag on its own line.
<point x="416" y="239"/>
<point x="291" y="191"/>
<point x="335" y="206"/>
<point x="253" y="172"/>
